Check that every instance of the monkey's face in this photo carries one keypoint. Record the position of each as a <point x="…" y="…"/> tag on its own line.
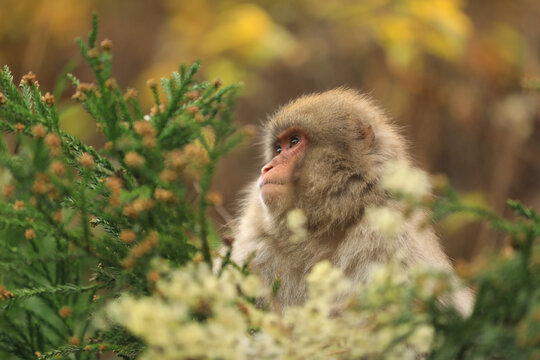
<point x="276" y="180"/>
<point x="325" y="153"/>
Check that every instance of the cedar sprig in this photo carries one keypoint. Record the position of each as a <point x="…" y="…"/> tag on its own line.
<point x="66" y="204"/>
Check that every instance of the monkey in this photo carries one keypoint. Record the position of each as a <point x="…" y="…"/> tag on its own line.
<point x="325" y="154"/>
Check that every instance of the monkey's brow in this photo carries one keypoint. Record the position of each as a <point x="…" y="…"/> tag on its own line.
<point x="287" y="131"/>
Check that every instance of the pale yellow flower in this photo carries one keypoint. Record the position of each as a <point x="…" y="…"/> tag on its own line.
<point x="336" y="319"/>
<point x="252" y="286"/>
<point x="296" y="222"/>
<point x="401" y="178"/>
<point x="385" y="220"/>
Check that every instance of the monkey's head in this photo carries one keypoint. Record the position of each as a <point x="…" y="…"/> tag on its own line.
<point x="324" y="154"/>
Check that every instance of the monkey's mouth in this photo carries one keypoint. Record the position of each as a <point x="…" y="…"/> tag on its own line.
<point x="263" y="182"/>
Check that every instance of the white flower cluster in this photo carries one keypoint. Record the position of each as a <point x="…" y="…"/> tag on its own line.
<point x="410" y="185"/>
<point x="195" y="314"/>
<point x="296" y="222"/>
<point x="387" y="221"/>
<point x="401" y="178"/>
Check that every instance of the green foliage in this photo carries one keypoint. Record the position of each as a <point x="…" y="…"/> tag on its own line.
<point x="504" y="323"/>
<point x="79" y="225"/>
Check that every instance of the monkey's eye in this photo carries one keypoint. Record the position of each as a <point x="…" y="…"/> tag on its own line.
<point x="295" y="139"/>
<point x="277" y="148"/>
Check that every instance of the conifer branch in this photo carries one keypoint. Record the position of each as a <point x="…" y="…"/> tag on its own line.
<point x="67" y="289"/>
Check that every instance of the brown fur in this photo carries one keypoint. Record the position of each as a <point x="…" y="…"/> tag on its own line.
<point x="350" y="140"/>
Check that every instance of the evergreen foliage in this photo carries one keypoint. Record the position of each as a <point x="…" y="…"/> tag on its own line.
<point x="504" y="323"/>
<point x="78" y="225"/>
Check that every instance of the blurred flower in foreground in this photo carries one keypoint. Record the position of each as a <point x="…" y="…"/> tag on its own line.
<point x="402" y="179"/>
<point x="387" y="221"/>
<point x="296" y="222"/>
<point x="195" y="314"/>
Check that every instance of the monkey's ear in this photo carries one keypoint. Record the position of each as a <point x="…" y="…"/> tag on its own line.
<point x="366" y="134"/>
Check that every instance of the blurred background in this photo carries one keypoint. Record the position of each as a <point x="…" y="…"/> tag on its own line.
<point x="450" y="72"/>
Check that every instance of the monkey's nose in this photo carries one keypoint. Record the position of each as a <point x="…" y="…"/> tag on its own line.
<point x="266" y="168"/>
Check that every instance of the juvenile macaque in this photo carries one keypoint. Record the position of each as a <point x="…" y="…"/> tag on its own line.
<point x="325" y="154"/>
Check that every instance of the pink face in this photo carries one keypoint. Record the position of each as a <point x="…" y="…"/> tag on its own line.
<point x="276" y="176"/>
